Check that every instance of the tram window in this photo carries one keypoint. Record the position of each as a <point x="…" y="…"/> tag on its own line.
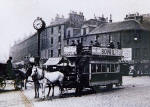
<point x="112" y="68"/>
<point x="93" y="67"/>
<point x="103" y="67"/>
<point x="116" y="68"/>
<point x="99" y="68"/>
<point x="108" y="68"/>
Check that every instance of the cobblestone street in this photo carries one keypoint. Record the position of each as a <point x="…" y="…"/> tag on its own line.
<point x="11" y="98"/>
<point x="135" y="92"/>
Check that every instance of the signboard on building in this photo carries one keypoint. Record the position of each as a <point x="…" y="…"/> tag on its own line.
<point x="70" y="50"/>
<point x="106" y="51"/>
<point x="127" y="54"/>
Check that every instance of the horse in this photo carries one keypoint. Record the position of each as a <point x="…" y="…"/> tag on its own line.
<point x="27" y="74"/>
<point x="49" y="79"/>
<point x="19" y="75"/>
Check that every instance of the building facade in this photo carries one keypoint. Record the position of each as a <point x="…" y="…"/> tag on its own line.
<point x="133" y="32"/>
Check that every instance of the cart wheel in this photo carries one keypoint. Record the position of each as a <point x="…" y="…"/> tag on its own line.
<point x="17" y="84"/>
<point x="2" y="84"/>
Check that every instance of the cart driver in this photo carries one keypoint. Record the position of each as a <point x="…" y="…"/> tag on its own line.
<point x="9" y="67"/>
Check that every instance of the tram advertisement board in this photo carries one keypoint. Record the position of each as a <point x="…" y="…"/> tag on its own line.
<point x="70" y="50"/>
<point x="106" y="51"/>
<point x="127" y="54"/>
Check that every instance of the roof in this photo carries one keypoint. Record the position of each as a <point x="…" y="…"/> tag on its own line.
<point x="120" y="26"/>
<point x="88" y="25"/>
<point x="58" y="22"/>
<point x="53" y="61"/>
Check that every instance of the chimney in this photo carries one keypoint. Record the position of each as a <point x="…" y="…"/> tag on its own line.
<point x="110" y="20"/>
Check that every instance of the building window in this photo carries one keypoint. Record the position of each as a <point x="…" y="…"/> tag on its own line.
<point x="81" y="40"/>
<point x="68" y="42"/>
<point x="68" y="33"/>
<point x="137" y="53"/>
<point x="145" y="52"/>
<point x="51" y="40"/>
<point x="110" y="38"/>
<point x="93" y="67"/>
<point x="84" y="31"/>
<point x="59" y="52"/>
<point x="51" y="53"/>
<point x="59" y="28"/>
<point x="97" y="37"/>
<point x="59" y="38"/>
<point x="52" y="30"/>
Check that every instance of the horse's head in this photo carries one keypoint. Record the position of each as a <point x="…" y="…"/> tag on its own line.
<point x="37" y="73"/>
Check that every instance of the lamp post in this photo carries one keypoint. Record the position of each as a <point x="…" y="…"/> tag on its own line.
<point x="39" y="25"/>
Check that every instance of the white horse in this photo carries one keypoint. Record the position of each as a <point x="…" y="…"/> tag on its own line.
<point x="49" y="79"/>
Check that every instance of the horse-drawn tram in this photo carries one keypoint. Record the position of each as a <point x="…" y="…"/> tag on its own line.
<point x="94" y="66"/>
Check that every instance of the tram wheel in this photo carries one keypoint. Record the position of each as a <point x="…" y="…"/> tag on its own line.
<point x="2" y="84"/>
<point x="109" y="86"/>
<point x="78" y="90"/>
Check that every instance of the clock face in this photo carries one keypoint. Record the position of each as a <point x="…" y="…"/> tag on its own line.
<point x="37" y="24"/>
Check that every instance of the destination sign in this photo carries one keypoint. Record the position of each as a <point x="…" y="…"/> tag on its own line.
<point x="106" y="51"/>
<point x="70" y="50"/>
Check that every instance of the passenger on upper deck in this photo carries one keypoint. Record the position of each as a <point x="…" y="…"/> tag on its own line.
<point x="79" y="47"/>
<point x="73" y="43"/>
<point x="118" y="45"/>
<point x="91" y="43"/>
<point x="111" y="45"/>
<point x="97" y="44"/>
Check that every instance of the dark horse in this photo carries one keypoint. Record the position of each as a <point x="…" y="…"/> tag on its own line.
<point x="27" y="74"/>
<point x="18" y="76"/>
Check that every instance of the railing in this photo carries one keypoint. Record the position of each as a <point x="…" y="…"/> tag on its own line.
<point x="89" y="50"/>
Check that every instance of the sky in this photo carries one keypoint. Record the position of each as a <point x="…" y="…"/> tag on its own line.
<point x="17" y="16"/>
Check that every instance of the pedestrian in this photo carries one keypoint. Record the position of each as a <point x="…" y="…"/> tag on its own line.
<point x="134" y="72"/>
<point x="9" y="67"/>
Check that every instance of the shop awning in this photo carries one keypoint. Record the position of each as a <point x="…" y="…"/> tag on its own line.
<point x="52" y="61"/>
<point x="20" y="63"/>
<point x="31" y="60"/>
<point x="65" y="64"/>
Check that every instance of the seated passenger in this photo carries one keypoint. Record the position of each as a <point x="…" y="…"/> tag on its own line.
<point x="97" y="44"/>
<point x="79" y="47"/>
<point x="118" y="45"/>
<point x="73" y="43"/>
<point x="111" y="45"/>
<point x="91" y="43"/>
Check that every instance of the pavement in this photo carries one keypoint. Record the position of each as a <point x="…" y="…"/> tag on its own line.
<point x="9" y="97"/>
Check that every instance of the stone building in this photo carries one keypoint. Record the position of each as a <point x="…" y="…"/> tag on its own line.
<point x="27" y="47"/>
<point x="51" y="38"/>
<point x="132" y="33"/>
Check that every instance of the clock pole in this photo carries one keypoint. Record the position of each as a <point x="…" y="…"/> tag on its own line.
<point x="39" y="48"/>
<point x="39" y="25"/>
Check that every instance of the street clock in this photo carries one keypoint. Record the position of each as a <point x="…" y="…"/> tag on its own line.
<point x="38" y="23"/>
